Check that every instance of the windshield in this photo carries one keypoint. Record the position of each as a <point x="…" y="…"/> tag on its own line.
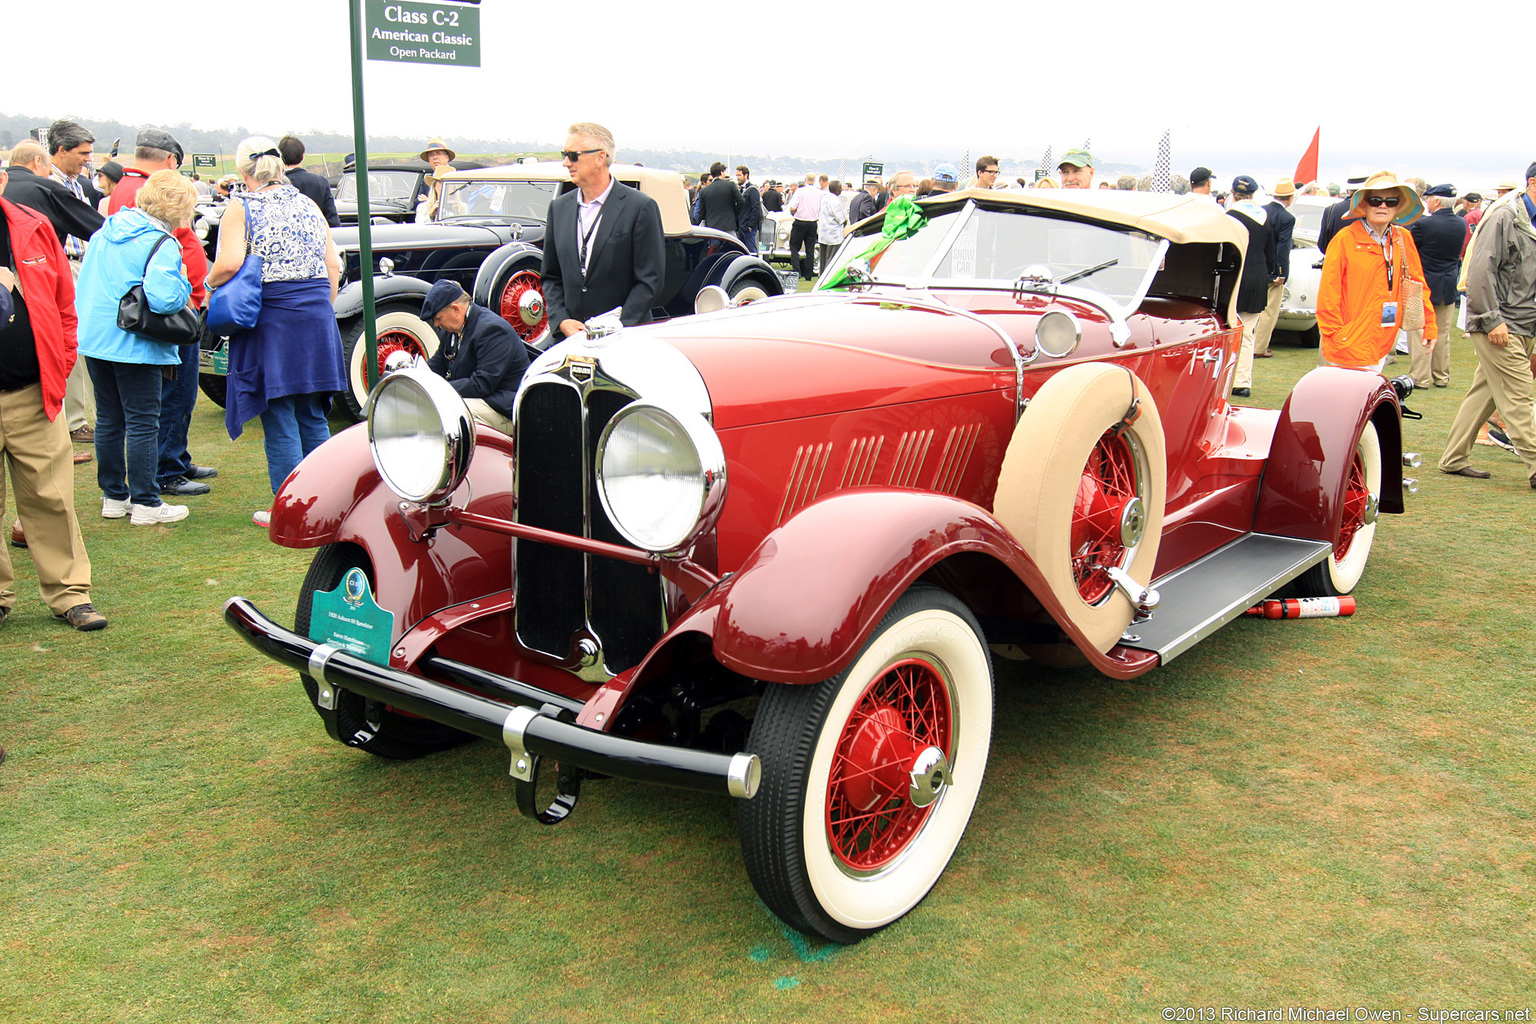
<point x="393" y="185"/>
<point x="1309" y="224"/>
<point x="528" y="200"/>
<point x="995" y="247"/>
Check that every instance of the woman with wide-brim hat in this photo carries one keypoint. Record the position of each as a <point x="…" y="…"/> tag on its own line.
<point x="1369" y="274"/>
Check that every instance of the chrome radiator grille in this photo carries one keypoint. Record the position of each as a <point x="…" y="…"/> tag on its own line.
<point x="563" y="595"/>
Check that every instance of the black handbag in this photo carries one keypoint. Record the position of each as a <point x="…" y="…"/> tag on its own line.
<point x="183" y="327"/>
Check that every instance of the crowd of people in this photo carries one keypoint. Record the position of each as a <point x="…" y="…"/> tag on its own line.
<point x="1402" y="262"/>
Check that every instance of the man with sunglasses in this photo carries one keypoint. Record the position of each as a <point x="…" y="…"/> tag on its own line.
<point x="603" y="245"/>
<point x="1501" y="320"/>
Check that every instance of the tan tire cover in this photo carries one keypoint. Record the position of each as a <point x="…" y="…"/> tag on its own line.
<point x="398" y="320"/>
<point x="1037" y="486"/>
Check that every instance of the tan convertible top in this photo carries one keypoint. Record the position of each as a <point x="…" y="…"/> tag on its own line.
<point x="1163" y="214"/>
<point x="666" y="187"/>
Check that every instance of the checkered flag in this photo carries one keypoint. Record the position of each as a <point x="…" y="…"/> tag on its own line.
<point x="842" y="170"/>
<point x="1045" y="164"/>
<point x="1088" y="145"/>
<point x="1162" y="172"/>
<point x="965" y="165"/>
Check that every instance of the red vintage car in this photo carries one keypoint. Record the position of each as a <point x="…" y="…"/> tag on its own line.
<point x="771" y="551"/>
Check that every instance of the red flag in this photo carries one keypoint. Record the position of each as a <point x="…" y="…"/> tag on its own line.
<point x="1306" y="171"/>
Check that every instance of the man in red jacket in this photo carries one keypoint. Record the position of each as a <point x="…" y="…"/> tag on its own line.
<point x="37" y="351"/>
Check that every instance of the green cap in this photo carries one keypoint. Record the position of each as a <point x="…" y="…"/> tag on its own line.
<point x="1077" y="158"/>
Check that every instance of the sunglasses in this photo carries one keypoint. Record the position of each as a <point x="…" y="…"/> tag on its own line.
<point x="576" y="154"/>
<point x="1387" y="201"/>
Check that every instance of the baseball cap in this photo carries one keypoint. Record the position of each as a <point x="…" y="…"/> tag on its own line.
<point x="1244" y="185"/>
<point x="1444" y="191"/>
<point x="1076" y="158"/>
<point x="159" y="138"/>
<point x="1200" y="175"/>
<point x="946" y="173"/>
<point x="439" y="298"/>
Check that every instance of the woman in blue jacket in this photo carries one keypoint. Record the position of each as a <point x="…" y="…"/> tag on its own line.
<point x="127" y="368"/>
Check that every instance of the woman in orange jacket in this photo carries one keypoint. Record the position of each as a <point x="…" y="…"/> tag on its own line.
<point x="1367" y="274"/>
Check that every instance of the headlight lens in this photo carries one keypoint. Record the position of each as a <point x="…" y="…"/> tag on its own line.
<point x="661" y="477"/>
<point x="1058" y="333"/>
<point x="421" y="434"/>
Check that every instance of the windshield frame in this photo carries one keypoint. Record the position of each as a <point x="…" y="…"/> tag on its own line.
<point x="460" y="184"/>
<point x="924" y="278"/>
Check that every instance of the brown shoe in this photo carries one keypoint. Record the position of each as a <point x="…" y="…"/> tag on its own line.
<point x="1263" y="355"/>
<point x="83" y="457"/>
<point x="18" y="535"/>
<point x="84" y="618"/>
<point x="1471" y="471"/>
<point x="83" y="434"/>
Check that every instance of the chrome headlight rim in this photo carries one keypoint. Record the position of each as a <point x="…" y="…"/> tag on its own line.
<point x="1055" y="321"/>
<point x="711" y="482"/>
<point x="455" y="432"/>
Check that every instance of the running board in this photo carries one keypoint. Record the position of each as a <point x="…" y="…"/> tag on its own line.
<point x="1200" y="598"/>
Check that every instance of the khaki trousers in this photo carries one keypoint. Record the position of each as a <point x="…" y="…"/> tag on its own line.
<point x="79" y="393"/>
<point x="481" y="410"/>
<point x="39" y="458"/>
<point x="1243" y="377"/>
<point x="1502" y="380"/>
<point x="1268" y="319"/>
<point x="1432" y="367"/>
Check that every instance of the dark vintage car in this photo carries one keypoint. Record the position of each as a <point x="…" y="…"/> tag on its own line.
<point x="488" y="235"/>
<point x="771" y="551"/>
<point x="395" y="188"/>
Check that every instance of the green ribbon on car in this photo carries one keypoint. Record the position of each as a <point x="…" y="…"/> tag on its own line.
<point x="902" y="220"/>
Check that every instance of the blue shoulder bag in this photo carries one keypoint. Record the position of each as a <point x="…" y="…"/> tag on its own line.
<point x="235" y="305"/>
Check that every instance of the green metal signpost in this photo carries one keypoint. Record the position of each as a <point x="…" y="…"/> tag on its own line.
<point x="412" y="31"/>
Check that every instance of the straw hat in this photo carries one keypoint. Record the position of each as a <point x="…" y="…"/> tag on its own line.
<point x="1409" y="208"/>
<point x="1284" y="187"/>
<point x="434" y="145"/>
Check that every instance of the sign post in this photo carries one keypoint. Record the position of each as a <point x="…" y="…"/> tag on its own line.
<point x="446" y="32"/>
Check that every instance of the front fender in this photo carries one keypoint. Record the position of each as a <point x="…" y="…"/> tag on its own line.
<point x="349" y="301"/>
<point x="1313" y="446"/>
<point x="803" y="603"/>
<point x="733" y="270"/>
<point x="336" y="496"/>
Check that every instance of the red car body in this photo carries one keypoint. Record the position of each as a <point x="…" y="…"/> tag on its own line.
<point x="873" y="435"/>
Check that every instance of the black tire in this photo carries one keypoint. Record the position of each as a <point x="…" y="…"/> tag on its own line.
<point x="750" y="288"/>
<point x="398" y="326"/>
<point x="215" y="386"/>
<point x="1339" y="573"/>
<point x="1311" y="337"/>
<point x="389" y="733"/>
<point x="815" y="853"/>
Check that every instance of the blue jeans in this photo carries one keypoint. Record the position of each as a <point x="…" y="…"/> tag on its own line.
<point x="749" y="239"/>
<point x="127" y="415"/>
<point x="294" y="426"/>
<point x="176" y="400"/>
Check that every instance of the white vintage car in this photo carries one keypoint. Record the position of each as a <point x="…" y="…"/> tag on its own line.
<point x="1298" y="303"/>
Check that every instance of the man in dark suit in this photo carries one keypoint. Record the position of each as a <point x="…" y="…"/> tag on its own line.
<point x="1337" y="215"/>
<point x="720" y="201"/>
<point x="749" y="216"/>
<point x="1260" y="266"/>
<point x="1282" y="226"/>
<point x="603" y="245"/>
<point x="312" y="185"/>
<point x="477" y="352"/>
<point x="1440" y="238"/>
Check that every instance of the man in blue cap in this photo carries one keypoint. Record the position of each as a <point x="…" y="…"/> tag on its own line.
<point x="1439" y="237"/>
<point x="945" y="178"/>
<point x="478" y="353"/>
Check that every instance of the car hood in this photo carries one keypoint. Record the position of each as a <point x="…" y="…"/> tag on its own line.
<point x="415" y="236"/>
<point x="813" y="355"/>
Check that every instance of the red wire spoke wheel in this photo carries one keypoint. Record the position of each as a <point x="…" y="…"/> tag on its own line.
<point x="522" y="304"/>
<point x="870" y="777"/>
<point x="1357" y="504"/>
<point x="1107" y="491"/>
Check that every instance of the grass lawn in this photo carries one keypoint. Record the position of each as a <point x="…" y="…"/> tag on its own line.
<point x="1332" y="813"/>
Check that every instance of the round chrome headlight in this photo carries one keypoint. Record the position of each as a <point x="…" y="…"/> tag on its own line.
<point x="660" y="476"/>
<point x="421" y="434"/>
<point x="1058" y="333"/>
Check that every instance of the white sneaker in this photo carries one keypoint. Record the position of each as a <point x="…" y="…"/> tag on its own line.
<point x="149" y="515"/>
<point x="111" y="508"/>
<point x="262" y="518"/>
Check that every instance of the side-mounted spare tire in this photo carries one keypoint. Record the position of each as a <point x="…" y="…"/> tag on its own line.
<point x="399" y="330"/>
<point x="1082" y="488"/>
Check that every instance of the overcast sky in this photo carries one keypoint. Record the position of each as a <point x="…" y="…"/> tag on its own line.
<point x="1009" y="79"/>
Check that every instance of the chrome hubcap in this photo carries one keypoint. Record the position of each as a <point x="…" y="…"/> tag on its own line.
<point x="1133" y="522"/>
<point x="531" y="307"/>
<point x="930" y="774"/>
